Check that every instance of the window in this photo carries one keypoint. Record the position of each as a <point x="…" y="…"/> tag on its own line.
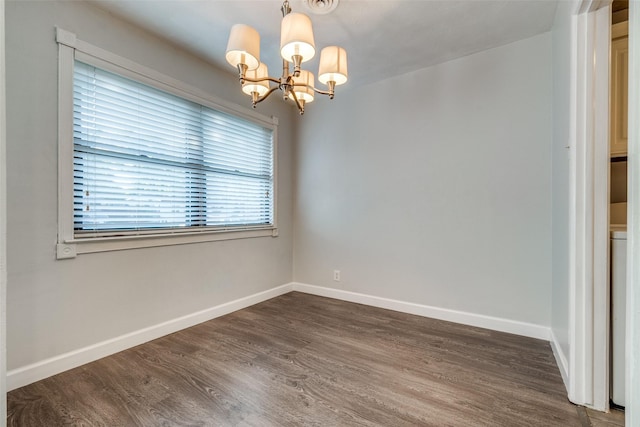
<point x="145" y="159"/>
<point x="148" y="159"/>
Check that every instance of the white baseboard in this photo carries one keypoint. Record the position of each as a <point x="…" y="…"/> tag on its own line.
<point x="40" y="370"/>
<point x="561" y="359"/>
<point x="471" y="319"/>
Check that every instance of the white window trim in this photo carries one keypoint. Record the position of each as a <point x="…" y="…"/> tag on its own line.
<point x="70" y="49"/>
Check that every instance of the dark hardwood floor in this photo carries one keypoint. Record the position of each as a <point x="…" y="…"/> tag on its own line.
<point x="305" y="360"/>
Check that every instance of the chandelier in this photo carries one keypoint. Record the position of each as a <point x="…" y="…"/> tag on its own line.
<point x="296" y="47"/>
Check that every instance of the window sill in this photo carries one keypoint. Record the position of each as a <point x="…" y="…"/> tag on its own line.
<point x="72" y="248"/>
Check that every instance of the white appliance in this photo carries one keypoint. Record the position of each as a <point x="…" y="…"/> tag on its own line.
<point x="618" y="312"/>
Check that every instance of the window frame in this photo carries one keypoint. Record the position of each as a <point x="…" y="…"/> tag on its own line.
<point x="69" y="245"/>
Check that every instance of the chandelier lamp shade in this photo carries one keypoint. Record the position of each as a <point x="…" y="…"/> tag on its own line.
<point x="297" y="46"/>
<point x="296" y="38"/>
<point x="258" y="83"/>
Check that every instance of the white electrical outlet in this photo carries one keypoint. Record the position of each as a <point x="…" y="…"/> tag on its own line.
<point x="336" y="275"/>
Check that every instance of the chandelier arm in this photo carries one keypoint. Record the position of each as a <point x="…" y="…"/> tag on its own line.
<point x="330" y="93"/>
<point x="320" y="91"/>
<point x="271" y="79"/>
<point x="300" y="106"/>
<point x="266" y="95"/>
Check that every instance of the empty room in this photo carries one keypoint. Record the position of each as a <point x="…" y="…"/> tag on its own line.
<point x="319" y="212"/>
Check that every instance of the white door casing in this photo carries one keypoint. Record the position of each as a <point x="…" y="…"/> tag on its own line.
<point x="589" y="212"/>
<point x="632" y="389"/>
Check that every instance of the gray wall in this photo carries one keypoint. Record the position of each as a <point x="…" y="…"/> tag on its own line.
<point x="435" y="187"/>
<point x="59" y="306"/>
<point x="560" y="173"/>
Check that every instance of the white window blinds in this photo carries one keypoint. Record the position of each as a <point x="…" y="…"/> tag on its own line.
<point x="147" y="160"/>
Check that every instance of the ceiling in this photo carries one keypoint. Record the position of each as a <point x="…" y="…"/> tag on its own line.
<point x="383" y="38"/>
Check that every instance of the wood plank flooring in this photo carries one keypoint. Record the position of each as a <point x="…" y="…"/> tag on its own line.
<point x="302" y="360"/>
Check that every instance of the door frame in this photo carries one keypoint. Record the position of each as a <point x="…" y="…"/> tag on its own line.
<point x="632" y="392"/>
<point x="589" y="206"/>
<point x="589" y="233"/>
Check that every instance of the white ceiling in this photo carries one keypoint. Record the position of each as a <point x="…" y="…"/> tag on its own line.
<point x="383" y="38"/>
